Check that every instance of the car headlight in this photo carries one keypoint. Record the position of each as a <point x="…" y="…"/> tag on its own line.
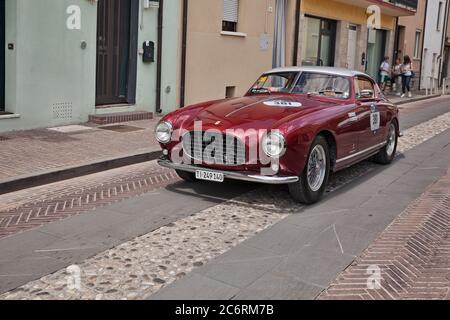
<point x="274" y="144"/>
<point x="163" y="132"/>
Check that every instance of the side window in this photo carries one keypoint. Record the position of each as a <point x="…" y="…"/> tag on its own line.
<point x="364" y="89"/>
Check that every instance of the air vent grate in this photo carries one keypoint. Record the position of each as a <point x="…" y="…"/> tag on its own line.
<point x="62" y="111"/>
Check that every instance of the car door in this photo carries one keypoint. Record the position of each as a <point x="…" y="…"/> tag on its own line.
<point x="369" y="115"/>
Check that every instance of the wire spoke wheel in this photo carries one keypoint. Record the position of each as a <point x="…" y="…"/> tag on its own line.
<point x="317" y="168"/>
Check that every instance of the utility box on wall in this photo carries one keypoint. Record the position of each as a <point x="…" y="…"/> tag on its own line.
<point x="148" y="55"/>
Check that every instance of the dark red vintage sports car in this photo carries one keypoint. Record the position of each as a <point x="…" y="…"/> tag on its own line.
<point x="295" y="126"/>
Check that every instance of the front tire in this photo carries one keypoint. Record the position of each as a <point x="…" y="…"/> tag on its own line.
<point x="314" y="178"/>
<point x="387" y="154"/>
<point x="186" y="176"/>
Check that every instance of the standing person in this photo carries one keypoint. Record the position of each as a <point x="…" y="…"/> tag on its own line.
<point x="397" y="72"/>
<point x="385" y="70"/>
<point x="407" y="74"/>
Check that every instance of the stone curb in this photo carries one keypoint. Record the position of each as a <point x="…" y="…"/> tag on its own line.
<point x="411" y="100"/>
<point x="70" y="172"/>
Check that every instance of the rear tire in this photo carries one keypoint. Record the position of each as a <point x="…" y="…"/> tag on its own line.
<point x="387" y="154"/>
<point x="186" y="176"/>
<point x="314" y="178"/>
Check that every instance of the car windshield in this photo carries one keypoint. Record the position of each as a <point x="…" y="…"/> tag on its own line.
<point x="333" y="86"/>
<point x="275" y="82"/>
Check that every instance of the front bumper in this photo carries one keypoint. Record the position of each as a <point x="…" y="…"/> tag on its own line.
<point x="231" y="174"/>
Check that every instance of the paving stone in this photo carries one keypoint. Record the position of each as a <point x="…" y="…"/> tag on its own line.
<point x="197" y="287"/>
<point x="272" y="286"/>
<point x="314" y="266"/>
<point x="252" y="263"/>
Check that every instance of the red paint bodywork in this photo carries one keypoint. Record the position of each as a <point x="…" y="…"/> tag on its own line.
<point x="299" y="125"/>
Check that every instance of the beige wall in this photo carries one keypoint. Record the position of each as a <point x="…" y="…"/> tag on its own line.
<point x="411" y="24"/>
<point x="214" y="60"/>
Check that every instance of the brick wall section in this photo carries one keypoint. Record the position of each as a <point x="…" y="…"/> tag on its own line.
<point x="413" y="255"/>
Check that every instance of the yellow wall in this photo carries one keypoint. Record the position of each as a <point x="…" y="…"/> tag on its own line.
<point x="341" y="11"/>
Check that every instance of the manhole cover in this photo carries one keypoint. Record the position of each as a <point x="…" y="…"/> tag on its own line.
<point x="121" y="128"/>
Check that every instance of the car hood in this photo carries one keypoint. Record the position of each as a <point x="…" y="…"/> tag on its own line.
<point x="256" y="112"/>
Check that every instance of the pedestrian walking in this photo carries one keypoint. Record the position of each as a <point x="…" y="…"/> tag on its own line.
<point x="407" y="75"/>
<point x="397" y="76"/>
<point x="385" y="73"/>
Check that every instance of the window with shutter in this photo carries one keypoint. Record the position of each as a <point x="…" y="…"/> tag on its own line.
<point x="230" y="15"/>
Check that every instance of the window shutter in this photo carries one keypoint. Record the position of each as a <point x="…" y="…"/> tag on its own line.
<point x="230" y="10"/>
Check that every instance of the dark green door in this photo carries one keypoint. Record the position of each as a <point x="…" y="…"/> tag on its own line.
<point x="116" y="27"/>
<point x="2" y="55"/>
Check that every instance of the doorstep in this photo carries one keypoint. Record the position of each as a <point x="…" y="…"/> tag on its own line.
<point x="109" y="118"/>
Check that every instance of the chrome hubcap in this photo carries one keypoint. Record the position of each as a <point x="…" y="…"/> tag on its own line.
<point x="391" y="141"/>
<point x="317" y="168"/>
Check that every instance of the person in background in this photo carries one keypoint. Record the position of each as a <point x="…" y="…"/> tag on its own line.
<point x="385" y="71"/>
<point x="397" y="76"/>
<point x="407" y="74"/>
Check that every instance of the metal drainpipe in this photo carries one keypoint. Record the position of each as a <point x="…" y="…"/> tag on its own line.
<point x="423" y="42"/>
<point x="296" y="31"/>
<point x="184" y="54"/>
<point x="395" y="53"/>
<point x="444" y="34"/>
<point x="159" y="56"/>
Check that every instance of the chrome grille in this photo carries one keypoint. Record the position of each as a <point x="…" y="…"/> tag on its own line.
<point x="214" y="148"/>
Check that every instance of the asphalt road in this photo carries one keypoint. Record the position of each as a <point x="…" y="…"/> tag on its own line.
<point x="31" y="254"/>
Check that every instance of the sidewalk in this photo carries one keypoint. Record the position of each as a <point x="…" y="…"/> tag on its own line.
<point x="416" y="96"/>
<point x="33" y="157"/>
<point x="410" y="260"/>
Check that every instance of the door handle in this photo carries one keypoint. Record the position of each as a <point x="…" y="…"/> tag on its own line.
<point x="353" y="117"/>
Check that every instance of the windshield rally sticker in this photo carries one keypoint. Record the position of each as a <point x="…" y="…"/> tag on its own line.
<point x="283" y="104"/>
<point x="374" y="118"/>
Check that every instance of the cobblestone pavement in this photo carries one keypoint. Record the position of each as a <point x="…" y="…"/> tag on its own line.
<point x="410" y="260"/>
<point x="144" y="265"/>
<point x="32" y="151"/>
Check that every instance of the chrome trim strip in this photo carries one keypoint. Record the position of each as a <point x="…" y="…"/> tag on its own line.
<point x="378" y="146"/>
<point x="230" y="174"/>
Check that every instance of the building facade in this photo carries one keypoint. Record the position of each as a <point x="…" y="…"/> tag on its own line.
<point x="349" y="34"/>
<point x="66" y="60"/>
<point x="229" y="43"/>
<point x="436" y="23"/>
<point x="409" y="39"/>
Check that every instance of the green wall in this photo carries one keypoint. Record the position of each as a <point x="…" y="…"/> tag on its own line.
<point x="48" y="68"/>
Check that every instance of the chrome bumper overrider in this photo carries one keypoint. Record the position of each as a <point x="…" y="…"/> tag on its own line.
<point x="231" y="174"/>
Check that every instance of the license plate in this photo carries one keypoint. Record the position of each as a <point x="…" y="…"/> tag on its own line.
<point x="209" y="176"/>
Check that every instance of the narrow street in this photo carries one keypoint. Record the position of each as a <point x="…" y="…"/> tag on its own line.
<point x="139" y="232"/>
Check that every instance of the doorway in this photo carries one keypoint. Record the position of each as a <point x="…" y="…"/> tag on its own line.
<point x="351" y="49"/>
<point x="319" y="38"/>
<point x="2" y="55"/>
<point x="117" y="28"/>
<point x="376" y="50"/>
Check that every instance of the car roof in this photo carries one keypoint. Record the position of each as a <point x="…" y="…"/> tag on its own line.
<point x="329" y="70"/>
